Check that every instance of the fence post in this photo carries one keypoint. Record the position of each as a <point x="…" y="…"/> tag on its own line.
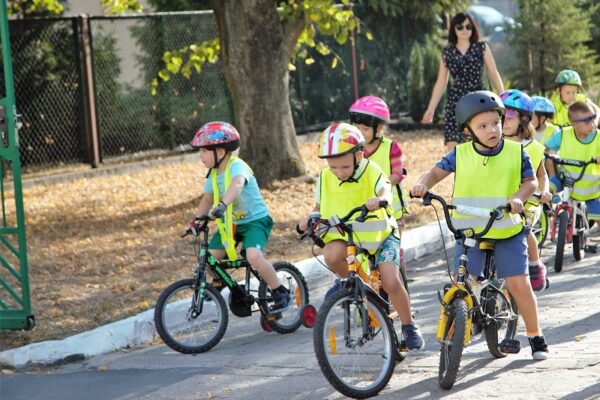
<point x="93" y="148"/>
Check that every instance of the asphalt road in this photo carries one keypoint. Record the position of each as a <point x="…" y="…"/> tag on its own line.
<point x="249" y="363"/>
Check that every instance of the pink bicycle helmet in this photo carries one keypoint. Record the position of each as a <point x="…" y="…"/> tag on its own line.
<point x="371" y="106"/>
<point x="213" y="135"/>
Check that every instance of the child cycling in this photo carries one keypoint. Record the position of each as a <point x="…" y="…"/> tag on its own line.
<point x="370" y="114"/>
<point x="349" y="181"/>
<point x="580" y="141"/>
<point x="543" y="113"/>
<point x="517" y="127"/>
<point x="568" y="82"/>
<point x="231" y="193"/>
<point x="489" y="158"/>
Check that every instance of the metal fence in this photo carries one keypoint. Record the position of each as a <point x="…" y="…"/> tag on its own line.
<point x="86" y="103"/>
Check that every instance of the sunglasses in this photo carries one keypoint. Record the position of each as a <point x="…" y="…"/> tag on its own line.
<point x="460" y="27"/>
<point x="586" y="119"/>
<point x="361" y="119"/>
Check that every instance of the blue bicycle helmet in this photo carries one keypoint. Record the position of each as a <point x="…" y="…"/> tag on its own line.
<point x="542" y="106"/>
<point x="517" y="100"/>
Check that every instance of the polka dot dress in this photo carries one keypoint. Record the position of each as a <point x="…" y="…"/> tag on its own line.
<point x="466" y="73"/>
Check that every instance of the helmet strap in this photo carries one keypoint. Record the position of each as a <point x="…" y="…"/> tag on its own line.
<point x="374" y="126"/>
<point x="476" y="139"/>
<point x="352" y="178"/>
<point x="217" y="160"/>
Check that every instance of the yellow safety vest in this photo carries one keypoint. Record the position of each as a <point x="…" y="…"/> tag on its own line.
<point x="561" y="117"/>
<point x="381" y="156"/>
<point x="338" y="198"/>
<point x="548" y="132"/>
<point x="535" y="150"/>
<point x="487" y="182"/>
<point x="571" y="148"/>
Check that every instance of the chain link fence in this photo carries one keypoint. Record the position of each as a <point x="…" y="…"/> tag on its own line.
<point x="62" y="113"/>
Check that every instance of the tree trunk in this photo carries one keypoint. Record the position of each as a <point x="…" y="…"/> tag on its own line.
<point x="256" y="48"/>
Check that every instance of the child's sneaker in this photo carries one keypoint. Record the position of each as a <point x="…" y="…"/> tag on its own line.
<point x="281" y="300"/>
<point x="412" y="337"/>
<point x="537" y="276"/>
<point x="539" y="348"/>
<point x="337" y="285"/>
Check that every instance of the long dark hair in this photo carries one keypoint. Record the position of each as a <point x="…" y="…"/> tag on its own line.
<point x="459" y="19"/>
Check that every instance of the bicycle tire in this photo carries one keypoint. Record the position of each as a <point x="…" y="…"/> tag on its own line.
<point x="579" y="238"/>
<point x="495" y="306"/>
<point x="175" y="325"/>
<point x="563" y="221"/>
<point x="355" y="369"/>
<point x="291" y="318"/>
<point x="453" y="342"/>
<point x="540" y="229"/>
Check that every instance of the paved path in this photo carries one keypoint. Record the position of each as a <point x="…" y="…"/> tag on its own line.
<point x="249" y="363"/>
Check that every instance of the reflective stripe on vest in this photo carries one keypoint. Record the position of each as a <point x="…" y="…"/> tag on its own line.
<point x="337" y="198"/>
<point x="381" y="157"/>
<point x="487" y="182"/>
<point x="571" y="148"/>
<point x="535" y="150"/>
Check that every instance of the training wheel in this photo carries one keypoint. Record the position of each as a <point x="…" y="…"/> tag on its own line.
<point x="308" y="314"/>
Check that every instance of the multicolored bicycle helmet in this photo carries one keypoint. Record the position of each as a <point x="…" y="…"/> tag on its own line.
<point x="339" y="139"/>
<point x="517" y="100"/>
<point x="372" y="106"/>
<point x="213" y="135"/>
<point x="543" y="106"/>
<point x="475" y="103"/>
<point x="568" y="77"/>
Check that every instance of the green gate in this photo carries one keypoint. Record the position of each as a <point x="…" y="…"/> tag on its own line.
<point x="15" y="305"/>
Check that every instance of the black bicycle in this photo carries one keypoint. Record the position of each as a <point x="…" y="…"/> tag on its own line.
<point x="355" y="341"/>
<point x="191" y="315"/>
<point x="469" y="307"/>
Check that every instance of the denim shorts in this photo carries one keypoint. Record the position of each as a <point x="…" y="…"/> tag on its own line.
<point x="510" y="255"/>
<point x="389" y="251"/>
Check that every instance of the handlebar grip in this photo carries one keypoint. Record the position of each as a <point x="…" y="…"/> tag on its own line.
<point x="383" y="204"/>
<point x="298" y="230"/>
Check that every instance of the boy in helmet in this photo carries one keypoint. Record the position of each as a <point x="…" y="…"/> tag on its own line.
<point x="543" y="113"/>
<point x="568" y="82"/>
<point x="231" y="193"/>
<point x="490" y="158"/>
<point x="349" y="181"/>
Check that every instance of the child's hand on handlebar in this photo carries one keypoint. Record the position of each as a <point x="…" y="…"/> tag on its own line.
<point x="516" y="205"/>
<point x="545" y="197"/>
<point x="303" y="224"/>
<point x="419" y="190"/>
<point x="373" y="203"/>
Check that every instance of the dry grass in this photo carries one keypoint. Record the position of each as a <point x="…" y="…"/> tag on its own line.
<point x="102" y="248"/>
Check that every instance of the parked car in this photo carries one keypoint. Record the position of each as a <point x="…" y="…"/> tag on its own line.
<point x="491" y="22"/>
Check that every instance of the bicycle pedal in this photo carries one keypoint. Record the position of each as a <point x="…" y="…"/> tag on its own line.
<point x="590" y="248"/>
<point x="510" y="346"/>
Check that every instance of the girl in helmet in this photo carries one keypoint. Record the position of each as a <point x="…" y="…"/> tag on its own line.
<point x="490" y="158"/>
<point x="349" y="181"/>
<point x="568" y="82"/>
<point x="543" y="113"/>
<point x="232" y="196"/>
<point x="370" y="115"/>
<point x="517" y="127"/>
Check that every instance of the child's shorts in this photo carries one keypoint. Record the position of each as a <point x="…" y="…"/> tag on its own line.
<point x="510" y="256"/>
<point x="593" y="205"/>
<point x="389" y="251"/>
<point x="253" y="234"/>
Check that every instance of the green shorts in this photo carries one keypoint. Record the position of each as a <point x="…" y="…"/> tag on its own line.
<point x="253" y="234"/>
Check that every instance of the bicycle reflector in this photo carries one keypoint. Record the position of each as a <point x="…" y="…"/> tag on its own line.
<point x="309" y="315"/>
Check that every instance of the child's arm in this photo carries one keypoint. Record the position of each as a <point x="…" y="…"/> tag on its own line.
<point x="233" y="192"/>
<point x="396" y="164"/>
<point x="384" y="193"/>
<point x="525" y="191"/>
<point x="303" y="222"/>
<point x="543" y="184"/>
<point x="428" y="180"/>
<point x="492" y="70"/>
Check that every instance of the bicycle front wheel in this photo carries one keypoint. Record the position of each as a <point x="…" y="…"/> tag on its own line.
<point x="540" y="229"/>
<point x="179" y="327"/>
<point x="453" y="342"/>
<point x="358" y="362"/>
<point x="563" y="221"/>
<point x="501" y="323"/>
<point x="580" y="237"/>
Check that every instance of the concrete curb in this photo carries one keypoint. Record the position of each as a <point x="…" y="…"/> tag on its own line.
<point x="139" y="329"/>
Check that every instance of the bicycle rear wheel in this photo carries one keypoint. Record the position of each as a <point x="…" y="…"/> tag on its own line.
<point x="540" y="229"/>
<point x="453" y="342"/>
<point x="358" y="364"/>
<point x="293" y="280"/>
<point x="182" y="331"/>
<point x="500" y="326"/>
<point x="563" y="221"/>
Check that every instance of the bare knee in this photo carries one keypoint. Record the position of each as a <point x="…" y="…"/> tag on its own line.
<point x="255" y="257"/>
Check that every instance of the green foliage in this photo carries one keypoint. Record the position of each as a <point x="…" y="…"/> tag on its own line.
<point x="120" y="6"/>
<point x="424" y="59"/>
<point x="25" y="8"/>
<point x="553" y="34"/>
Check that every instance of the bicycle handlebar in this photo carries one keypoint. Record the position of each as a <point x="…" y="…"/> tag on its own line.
<point x="574" y="163"/>
<point x="201" y="222"/>
<point x="334" y="221"/>
<point x="493" y="215"/>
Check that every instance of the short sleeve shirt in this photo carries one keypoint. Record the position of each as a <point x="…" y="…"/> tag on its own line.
<point x="250" y="205"/>
<point x="554" y="142"/>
